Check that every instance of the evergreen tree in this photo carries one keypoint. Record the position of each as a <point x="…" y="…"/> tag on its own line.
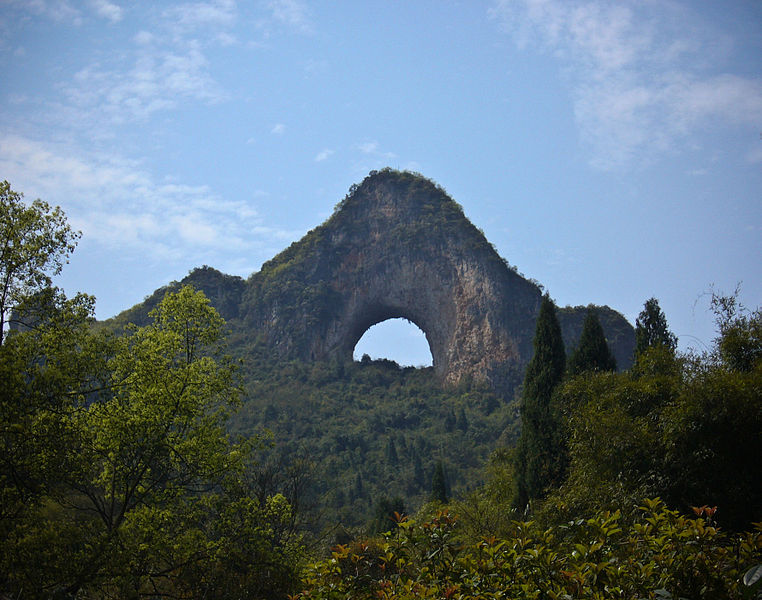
<point x="418" y="475"/>
<point x="439" y="484"/>
<point x="592" y="353"/>
<point x="449" y="422"/>
<point x="540" y="452"/>
<point x="383" y="514"/>
<point x="462" y="421"/>
<point x="651" y="329"/>
<point x="391" y="452"/>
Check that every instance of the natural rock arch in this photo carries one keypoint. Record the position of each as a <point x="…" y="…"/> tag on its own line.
<point x="398" y="246"/>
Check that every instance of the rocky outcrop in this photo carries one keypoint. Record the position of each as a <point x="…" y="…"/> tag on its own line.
<point x="398" y="246"/>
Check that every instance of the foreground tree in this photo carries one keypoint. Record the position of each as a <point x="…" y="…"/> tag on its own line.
<point x="540" y="453"/>
<point x="117" y="476"/>
<point x="131" y="485"/>
<point x="35" y="241"/>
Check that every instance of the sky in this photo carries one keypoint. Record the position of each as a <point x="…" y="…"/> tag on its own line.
<point x="611" y="151"/>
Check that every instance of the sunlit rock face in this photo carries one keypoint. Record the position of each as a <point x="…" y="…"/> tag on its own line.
<point x="399" y="246"/>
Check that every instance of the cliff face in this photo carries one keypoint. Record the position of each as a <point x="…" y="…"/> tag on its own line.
<point x="397" y="246"/>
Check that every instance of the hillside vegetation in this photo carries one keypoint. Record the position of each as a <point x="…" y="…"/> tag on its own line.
<point x="170" y="457"/>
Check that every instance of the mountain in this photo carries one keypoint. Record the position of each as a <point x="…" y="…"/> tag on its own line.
<point x="347" y="434"/>
<point x="396" y="246"/>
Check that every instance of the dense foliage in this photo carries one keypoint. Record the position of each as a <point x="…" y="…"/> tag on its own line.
<point x="592" y="353"/>
<point x="119" y="478"/>
<point x="659" y="555"/>
<point x="371" y="429"/>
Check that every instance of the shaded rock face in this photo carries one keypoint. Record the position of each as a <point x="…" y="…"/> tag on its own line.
<point x="397" y="246"/>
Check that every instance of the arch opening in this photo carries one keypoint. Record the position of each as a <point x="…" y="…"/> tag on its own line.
<point x="396" y="339"/>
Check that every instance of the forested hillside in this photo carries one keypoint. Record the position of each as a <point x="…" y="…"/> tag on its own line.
<point x="171" y="457"/>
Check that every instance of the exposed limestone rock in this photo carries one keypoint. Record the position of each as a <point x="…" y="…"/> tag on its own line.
<point x="398" y="246"/>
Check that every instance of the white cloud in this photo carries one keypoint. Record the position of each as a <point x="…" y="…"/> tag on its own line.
<point x="372" y="148"/>
<point x="157" y="80"/>
<point x="108" y="10"/>
<point x="291" y="13"/>
<point x="56" y="10"/>
<point x="118" y="204"/>
<point x="324" y="154"/>
<point x="368" y="147"/>
<point x="201" y="15"/>
<point x="639" y="73"/>
<point x="278" y="129"/>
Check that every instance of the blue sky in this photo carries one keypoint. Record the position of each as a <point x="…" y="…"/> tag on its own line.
<point x="610" y="150"/>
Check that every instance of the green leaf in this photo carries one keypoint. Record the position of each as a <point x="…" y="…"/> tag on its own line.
<point x="753" y="575"/>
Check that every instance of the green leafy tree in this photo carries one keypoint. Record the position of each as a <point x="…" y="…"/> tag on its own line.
<point x="688" y="433"/>
<point x="35" y="241"/>
<point x="138" y="489"/>
<point x="592" y="353"/>
<point x="739" y="346"/>
<point x="540" y="451"/>
<point x="651" y="329"/>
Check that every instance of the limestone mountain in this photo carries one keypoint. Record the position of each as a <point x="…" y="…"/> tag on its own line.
<point x="396" y="246"/>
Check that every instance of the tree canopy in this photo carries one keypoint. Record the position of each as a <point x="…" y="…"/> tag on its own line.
<point x="35" y="241"/>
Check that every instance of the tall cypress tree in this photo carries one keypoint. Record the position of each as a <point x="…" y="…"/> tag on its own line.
<point x="651" y="329"/>
<point x="592" y="353"/>
<point x="439" y="484"/>
<point x="540" y="454"/>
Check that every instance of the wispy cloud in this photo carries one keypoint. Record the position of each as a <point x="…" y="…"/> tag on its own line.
<point x="108" y="10"/>
<point x="278" y="129"/>
<point x="293" y="14"/>
<point x="201" y="15"/>
<point x="324" y="154"/>
<point x="372" y="148"/>
<point x="56" y="10"/>
<point x="119" y="204"/>
<point x="157" y="80"/>
<point x="641" y="82"/>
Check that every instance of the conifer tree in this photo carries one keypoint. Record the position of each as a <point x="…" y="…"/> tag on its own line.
<point x="391" y="452"/>
<point x="540" y="453"/>
<point x="592" y="352"/>
<point x="439" y="484"/>
<point x="651" y="329"/>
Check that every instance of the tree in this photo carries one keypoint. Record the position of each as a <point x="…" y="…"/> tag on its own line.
<point x="141" y="491"/>
<point x="439" y="484"/>
<point x="688" y="433"/>
<point x="35" y="242"/>
<point x="384" y="517"/>
<point x="739" y="346"/>
<point x="592" y="353"/>
<point x="539" y="456"/>
<point x="651" y="329"/>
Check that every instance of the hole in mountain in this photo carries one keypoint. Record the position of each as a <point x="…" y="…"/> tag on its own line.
<point x="398" y="340"/>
